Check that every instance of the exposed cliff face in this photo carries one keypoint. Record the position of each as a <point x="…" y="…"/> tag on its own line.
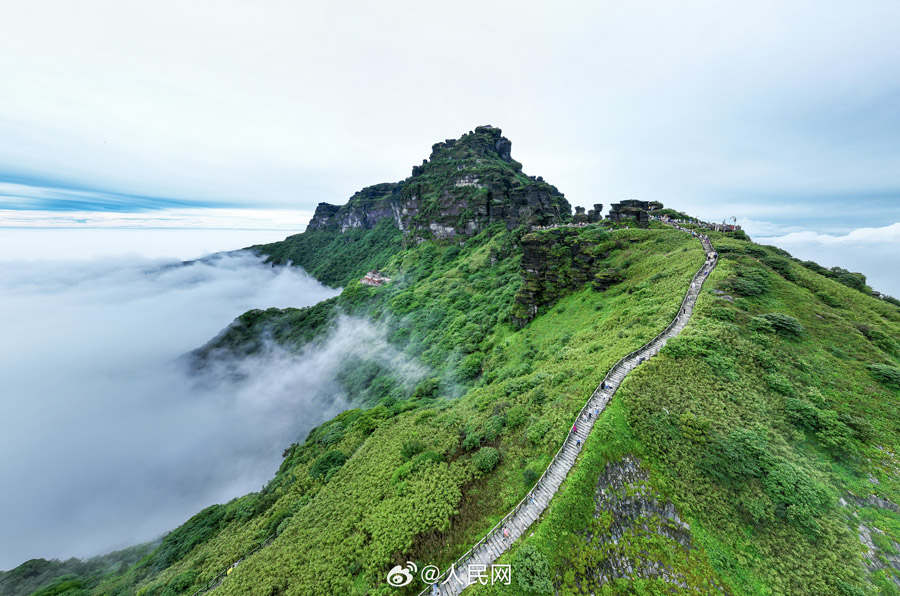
<point x="557" y="262"/>
<point x="364" y="209"/>
<point x="464" y="186"/>
<point x="630" y="513"/>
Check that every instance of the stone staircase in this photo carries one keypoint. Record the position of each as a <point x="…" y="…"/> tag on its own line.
<point x="455" y="579"/>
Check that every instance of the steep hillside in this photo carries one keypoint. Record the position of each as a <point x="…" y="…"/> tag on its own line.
<point x="753" y="455"/>
<point x="463" y="187"/>
<point x="769" y="424"/>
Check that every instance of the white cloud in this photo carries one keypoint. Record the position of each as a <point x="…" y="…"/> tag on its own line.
<point x="34" y="244"/>
<point x="862" y="236"/>
<point x="871" y="251"/>
<point x="105" y="439"/>
<point x="186" y="218"/>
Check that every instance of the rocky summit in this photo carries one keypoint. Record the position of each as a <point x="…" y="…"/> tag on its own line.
<point x="465" y="185"/>
<point x="639" y="404"/>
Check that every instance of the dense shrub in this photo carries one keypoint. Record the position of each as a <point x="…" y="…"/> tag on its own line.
<point x="828" y="299"/>
<point x="486" y="459"/>
<point x="516" y="416"/>
<point x="778" y="382"/>
<point x="784" y="325"/>
<point x="835" y="431"/>
<point x="409" y="449"/>
<point x="781" y="265"/>
<point x="538" y="396"/>
<point x="472" y="438"/>
<point x="196" y="530"/>
<point x="180" y="583"/>
<point x="427" y="389"/>
<point x="326" y="463"/>
<point x="330" y="435"/>
<point x="889" y="375"/>
<point x="857" y="281"/>
<point x="749" y="282"/>
<point x="797" y="497"/>
<point x="879" y="338"/>
<point x="740" y="455"/>
<point x="471" y="365"/>
<point x="537" y="431"/>
<point x="64" y="586"/>
<point x="801" y="413"/>
<point x="532" y="570"/>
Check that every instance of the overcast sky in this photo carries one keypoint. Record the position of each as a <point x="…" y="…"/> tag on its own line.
<point x="237" y="118"/>
<point x="766" y="110"/>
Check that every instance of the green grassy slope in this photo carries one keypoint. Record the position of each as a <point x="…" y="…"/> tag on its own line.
<point x="778" y="399"/>
<point x="768" y="423"/>
<point x="336" y="259"/>
<point x="424" y="474"/>
<point x="765" y="412"/>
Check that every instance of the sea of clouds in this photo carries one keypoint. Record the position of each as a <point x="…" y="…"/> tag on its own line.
<point x="870" y="250"/>
<point x="106" y="438"/>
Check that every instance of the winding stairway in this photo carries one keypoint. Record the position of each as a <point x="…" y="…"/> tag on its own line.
<point x="455" y="579"/>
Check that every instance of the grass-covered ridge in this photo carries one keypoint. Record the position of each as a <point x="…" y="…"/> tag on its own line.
<point x="409" y="485"/>
<point x="424" y="473"/>
<point x="778" y="400"/>
<point x="758" y="422"/>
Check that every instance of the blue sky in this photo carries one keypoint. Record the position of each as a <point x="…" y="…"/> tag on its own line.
<point x="785" y="115"/>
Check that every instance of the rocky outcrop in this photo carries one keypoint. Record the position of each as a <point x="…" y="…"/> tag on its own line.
<point x="557" y="262"/>
<point x="364" y="209"/>
<point x="875" y="558"/>
<point x="630" y="510"/>
<point x="592" y="216"/>
<point x="465" y="185"/>
<point x="633" y="209"/>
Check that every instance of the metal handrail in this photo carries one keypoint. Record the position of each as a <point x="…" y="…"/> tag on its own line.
<point x="214" y="582"/>
<point x="565" y="442"/>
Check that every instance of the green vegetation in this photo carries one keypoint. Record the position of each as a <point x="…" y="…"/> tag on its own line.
<point x="532" y="570"/>
<point x="438" y="464"/>
<point x="778" y="400"/>
<point x="857" y="281"/>
<point x="336" y="259"/>
<point x="288" y="327"/>
<point x="72" y="577"/>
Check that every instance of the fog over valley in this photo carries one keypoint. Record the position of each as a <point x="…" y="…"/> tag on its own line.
<point x="106" y="438"/>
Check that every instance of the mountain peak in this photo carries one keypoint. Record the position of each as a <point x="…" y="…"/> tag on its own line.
<point x="484" y="140"/>
<point x="464" y="186"/>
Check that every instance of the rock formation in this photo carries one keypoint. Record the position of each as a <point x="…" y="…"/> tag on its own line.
<point x="465" y="185"/>
<point x="558" y="261"/>
<point x="633" y="209"/>
<point x="592" y="216"/>
<point x="632" y="514"/>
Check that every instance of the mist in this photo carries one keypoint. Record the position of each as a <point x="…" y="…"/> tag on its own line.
<point x="106" y="438"/>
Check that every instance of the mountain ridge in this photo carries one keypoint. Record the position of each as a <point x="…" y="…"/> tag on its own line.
<point x="775" y="404"/>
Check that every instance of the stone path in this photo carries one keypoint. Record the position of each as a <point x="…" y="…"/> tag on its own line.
<point x="488" y="549"/>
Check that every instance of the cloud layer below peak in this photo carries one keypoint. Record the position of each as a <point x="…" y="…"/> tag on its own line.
<point x="105" y="439"/>
<point x="872" y="251"/>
